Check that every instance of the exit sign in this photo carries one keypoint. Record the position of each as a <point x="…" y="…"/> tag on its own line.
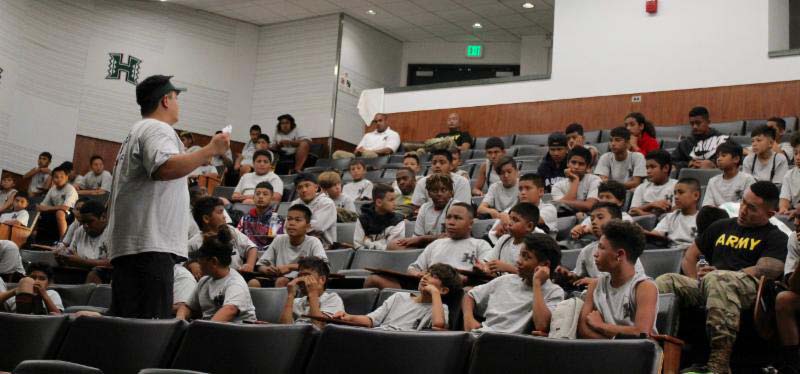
<point x="474" y="51"/>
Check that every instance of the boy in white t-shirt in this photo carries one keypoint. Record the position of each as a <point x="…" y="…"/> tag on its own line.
<point x="313" y="299"/>
<point x="609" y="192"/>
<point x="262" y="163"/>
<point x="680" y="225"/>
<point x="19" y="215"/>
<point x="31" y="295"/>
<point x="763" y="163"/>
<point x="502" y="194"/>
<point x="360" y="188"/>
<point x="97" y="181"/>
<point x="620" y="164"/>
<point x="531" y="190"/>
<point x="59" y="200"/>
<point x="654" y="196"/>
<point x="731" y="184"/>
<point x="209" y="214"/>
<point x="88" y="247"/>
<point x="430" y="222"/>
<point x="378" y="223"/>
<point x="40" y="175"/>
<point x="243" y="163"/>
<point x="790" y="188"/>
<point x="331" y="184"/>
<point x="323" y="209"/>
<point x="456" y="152"/>
<point x="441" y="163"/>
<point x="579" y="189"/>
<point x="7" y="192"/>
<point x="502" y="258"/>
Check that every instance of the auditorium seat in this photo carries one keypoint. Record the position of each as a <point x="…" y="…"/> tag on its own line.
<point x="480" y="143"/>
<point x="673" y="132"/>
<point x="702" y="175"/>
<point x="601" y="148"/>
<point x="468" y="168"/>
<point x="358" y="301"/>
<point x="592" y="137"/>
<point x="565" y="224"/>
<point x="531" y="139"/>
<point x="74" y="294"/>
<point x="345" y="231"/>
<point x="46" y="257"/>
<point x="268" y="303"/>
<point x="339" y="259"/>
<point x="661" y="261"/>
<point x="743" y="140"/>
<point x="223" y="191"/>
<point x="647" y="221"/>
<point x="669" y="144"/>
<point x="341" y="164"/>
<point x="244" y="209"/>
<point x="569" y="258"/>
<point x="605" y="136"/>
<point x="507" y="353"/>
<point x="531" y="151"/>
<point x="99" y="301"/>
<point x="222" y="348"/>
<point x="730" y="128"/>
<point x="392" y="260"/>
<point x="750" y="124"/>
<point x="668" y="313"/>
<point x="478" y="154"/>
<point x="372" y="175"/>
<point x="389" y="352"/>
<point x="481" y="227"/>
<point x="288" y="192"/>
<point x="410" y="228"/>
<point x="54" y="367"/>
<point x="26" y="337"/>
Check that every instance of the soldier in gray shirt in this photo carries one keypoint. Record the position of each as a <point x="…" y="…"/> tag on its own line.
<point x="312" y="298"/>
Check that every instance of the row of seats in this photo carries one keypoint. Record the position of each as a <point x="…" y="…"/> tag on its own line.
<point x="117" y="345"/>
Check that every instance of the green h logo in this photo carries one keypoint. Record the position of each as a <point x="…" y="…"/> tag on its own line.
<point x="130" y="68"/>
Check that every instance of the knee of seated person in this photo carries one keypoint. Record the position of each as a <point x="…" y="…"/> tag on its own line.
<point x="303" y="145"/>
<point x="666" y="282"/>
<point x="254" y="283"/>
<point x="25" y="285"/>
<point x="281" y="282"/>
<point x="785" y="300"/>
<point x="60" y="214"/>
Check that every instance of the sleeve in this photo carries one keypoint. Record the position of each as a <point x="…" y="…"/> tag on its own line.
<point x="603" y="168"/>
<point x="553" y="297"/>
<point x="776" y="245"/>
<point x="299" y="135"/>
<point x="361" y="142"/>
<point x="639" y="169"/>
<point x="71" y="196"/>
<point x="240" y="186"/>
<point x="324" y="218"/>
<point x="483" y="249"/>
<point x="580" y="264"/>
<point x="56" y="299"/>
<point x="493" y="232"/>
<point x="481" y="294"/>
<point x="393" y="142"/>
<point x="462" y="191"/>
<point x="494" y="253"/>
<point x="238" y="295"/>
<point x="594" y="184"/>
<point x="663" y="226"/>
<point x="332" y="305"/>
<point x="419" y="224"/>
<point x="244" y="243"/>
<point x="48" y="198"/>
<point x="420" y="195"/>
<point x="317" y="250"/>
<point x="105" y="184"/>
<point x="183" y="289"/>
<point x="277" y="184"/>
<point x="557" y="191"/>
<point x="786" y="191"/>
<point x="194" y="301"/>
<point x="423" y="260"/>
<point x="748" y="181"/>
<point x="549" y="214"/>
<point x="792" y="256"/>
<point x="489" y="197"/>
<point x="157" y="145"/>
<point x="349" y="204"/>
<point x="636" y="200"/>
<point x="711" y="191"/>
<point x="268" y="258"/>
<point x="23" y="217"/>
<point x="358" y="236"/>
<point x="396" y="232"/>
<point x="378" y="315"/>
<point x="781" y="169"/>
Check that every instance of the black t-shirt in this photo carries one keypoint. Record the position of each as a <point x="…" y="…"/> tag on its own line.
<point x="459" y="137"/>
<point x="729" y="246"/>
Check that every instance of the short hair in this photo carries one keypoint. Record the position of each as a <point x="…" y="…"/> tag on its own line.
<point x="795" y="140"/>
<point x="621" y="132"/>
<point x="442" y="152"/>
<point x="266" y="185"/>
<point x="436" y="181"/>
<point x="379" y="190"/>
<point x="314" y="263"/>
<point x="495" y="142"/>
<point x="408" y="169"/>
<point x="466" y="206"/>
<point x="708" y="215"/>
<point x="204" y="206"/>
<point x="218" y="246"/>
<point x="355" y="162"/>
<point x="304" y="177"/>
<point x="450" y="278"/>
<point x="626" y="235"/>
<point x="262" y="152"/>
<point x="778" y="121"/>
<point x="61" y="169"/>
<point x="67" y="165"/>
<point x="195" y="192"/>
<point x="95" y="157"/>
<point x="730" y="148"/>
<point x="256" y="127"/>
<point x="145" y="93"/>
<point x="536" y="179"/>
<point x="613" y="209"/>
<point x="187" y="135"/>
<point x="7" y="176"/>
<point x="329" y="179"/>
<point x="47" y="155"/>
<point x="21" y="195"/>
<point x="661" y="157"/>
<point x="693" y="183"/>
<point x="41" y="267"/>
<point x="699" y="111"/>
<point x="574" y="127"/>
<point x="455" y="151"/>
<point x="767" y="191"/>
<point x="302" y="208"/>
<point x="287" y="117"/>
<point x="764" y="130"/>
<point x="528" y="211"/>
<point x="412" y="155"/>
<point x="94" y="208"/>
<point x="503" y="161"/>
<point x="581" y="152"/>
<point x="264" y="136"/>
<point x="545" y="248"/>
<point x="615" y="188"/>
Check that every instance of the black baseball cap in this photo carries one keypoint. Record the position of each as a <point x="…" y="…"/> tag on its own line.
<point x="557" y="139"/>
<point x="155" y="87"/>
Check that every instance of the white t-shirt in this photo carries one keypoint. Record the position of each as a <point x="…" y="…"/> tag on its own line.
<point x="792" y="255"/>
<point x="282" y="252"/>
<point x="37" y="183"/>
<point x="721" y="190"/>
<point x="21" y="216"/>
<point x="680" y="228"/>
<point x="248" y="182"/>
<point x="361" y="190"/>
<point x="587" y="187"/>
<point x="790" y="188"/>
<point x="203" y="170"/>
<point x="89" y="247"/>
<point x="507" y="303"/>
<point x="621" y="171"/>
<point x="11" y="304"/>
<point x="344" y="202"/>
<point x="504" y="250"/>
<point x="547" y="212"/>
<point x="648" y="192"/>
<point x="323" y="215"/>
<point x="212" y="294"/>
<point x="773" y="170"/>
<point x="378" y="241"/>
<point x="375" y="140"/>
<point x="586" y="267"/>
<point x="293" y="135"/>
<point x="241" y="244"/>
<point x="401" y="313"/>
<point x="147" y="214"/>
<point x="460" y="254"/>
<point x="10" y="259"/>
<point x="65" y="196"/>
<point x="461" y="190"/>
<point x="500" y="198"/>
<point x="183" y="285"/>
<point x="92" y="181"/>
<point x="429" y="220"/>
<point x="329" y="304"/>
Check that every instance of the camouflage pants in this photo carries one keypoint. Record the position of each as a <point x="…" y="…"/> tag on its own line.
<point x="344" y="154"/>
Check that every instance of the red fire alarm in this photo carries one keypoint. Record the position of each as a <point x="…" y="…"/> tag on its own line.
<point x="651" y="6"/>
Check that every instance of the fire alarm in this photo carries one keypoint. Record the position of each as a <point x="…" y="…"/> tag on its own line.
<point x="651" y="6"/>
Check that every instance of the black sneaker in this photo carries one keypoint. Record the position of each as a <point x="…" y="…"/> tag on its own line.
<point x="697" y="369"/>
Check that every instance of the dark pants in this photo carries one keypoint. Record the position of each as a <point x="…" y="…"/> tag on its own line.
<point x="142" y="285"/>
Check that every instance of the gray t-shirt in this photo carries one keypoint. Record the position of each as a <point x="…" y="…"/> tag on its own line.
<point x="64" y="196"/>
<point x="461" y="190"/>
<point x="87" y="246"/>
<point x="212" y="294"/>
<point x="293" y="135"/>
<point x="721" y="190"/>
<point x="323" y="215"/>
<point x="429" y="220"/>
<point x="585" y="266"/>
<point x="501" y="198"/>
<point x="344" y="202"/>
<point x="218" y="160"/>
<point x="248" y="182"/>
<point x="361" y="190"/>
<point x="329" y="303"/>
<point x="92" y="181"/>
<point x="587" y="187"/>
<point x="504" y="250"/>
<point x="547" y="212"/>
<point x="790" y="188"/>
<point x="11" y="304"/>
<point x="147" y="214"/>
<point x="4" y="195"/>
<point x="460" y="254"/>
<point x="282" y="252"/>
<point x="773" y="170"/>
<point x="648" y="192"/>
<point x="618" y="305"/>
<point x="621" y="171"/>
<point x="680" y="228"/>
<point x="401" y="313"/>
<point x="792" y="255"/>
<point x="21" y="216"/>
<point x="507" y="303"/>
<point x="241" y="244"/>
<point x="38" y="181"/>
<point x="10" y="259"/>
<point x="183" y="285"/>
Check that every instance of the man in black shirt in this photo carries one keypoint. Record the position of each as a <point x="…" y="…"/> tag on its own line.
<point x="699" y="150"/>
<point x="462" y="139"/>
<point x="739" y="252"/>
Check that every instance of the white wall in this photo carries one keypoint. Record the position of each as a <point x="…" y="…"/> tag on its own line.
<point x="368" y="60"/>
<point x="613" y="47"/>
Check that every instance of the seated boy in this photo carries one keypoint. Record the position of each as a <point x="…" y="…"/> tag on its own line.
<point x="531" y="190"/>
<point x="208" y="213"/>
<point x="441" y="163"/>
<point x="30" y="289"/>
<point x="404" y="184"/>
<point x="203" y="170"/>
<point x="262" y="223"/>
<point x="429" y="225"/>
<point x="654" y="196"/>
<point x="579" y="190"/>
<point x="10" y="259"/>
<point x="360" y="188"/>
<point x="787" y="307"/>
<point x="503" y="193"/>
<point x="88" y="246"/>
<point x="680" y="225"/>
<point x="7" y="192"/>
<point x="97" y="181"/>
<point x="411" y="160"/>
<point x="55" y="207"/>
<point x="183" y="286"/>
<point x="39" y="176"/>
<point x="555" y="162"/>
<point x="608" y="192"/>
<point x="457" y="249"/>
<point x="790" y="188"/>
<point x="378" y="224"/>
<point x="262" y="164"/>
<point x="456" y="152"/>
<point x="19" y="214"/>
<point x="502" y="258"/>
<point x="623" y="301"/>
<point x="312" y="300"/>
<point x="486" y="173"/>
<point x="620" y="164"/>
<point x="763" y="163"/>
<point x="323" y="209"/>
<point x="575" y="138"/>
<point x="731" y="184"/>
<point x="511" y="302"/>
<point x="331" y="183"/>
<point x="222" y="294"/>
<point x="280" y="258"/>
<point x="405" y="312"/>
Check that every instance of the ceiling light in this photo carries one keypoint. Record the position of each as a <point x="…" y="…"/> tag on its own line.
<point x="371" y="12"/>
<point x="477" y="25"/>
<point x="528" y="6"/>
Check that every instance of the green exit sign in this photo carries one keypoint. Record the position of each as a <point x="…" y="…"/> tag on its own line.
<point x="474" y="51"/>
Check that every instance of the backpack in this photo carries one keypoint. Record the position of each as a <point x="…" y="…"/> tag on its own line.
<point x="564" y="320"/>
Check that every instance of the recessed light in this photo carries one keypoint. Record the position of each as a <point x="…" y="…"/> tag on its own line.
<point x="477" y="25"/>
<point x="528" y="6"/>
<point x="371" y="12"/>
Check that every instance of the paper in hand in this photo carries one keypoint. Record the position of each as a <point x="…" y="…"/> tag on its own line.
<point x="227" y="129"/>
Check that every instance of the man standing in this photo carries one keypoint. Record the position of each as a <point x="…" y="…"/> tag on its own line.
<point x="381" y="142"/>
<point x="699" y="151"/>
<point x="148" y="221"/>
